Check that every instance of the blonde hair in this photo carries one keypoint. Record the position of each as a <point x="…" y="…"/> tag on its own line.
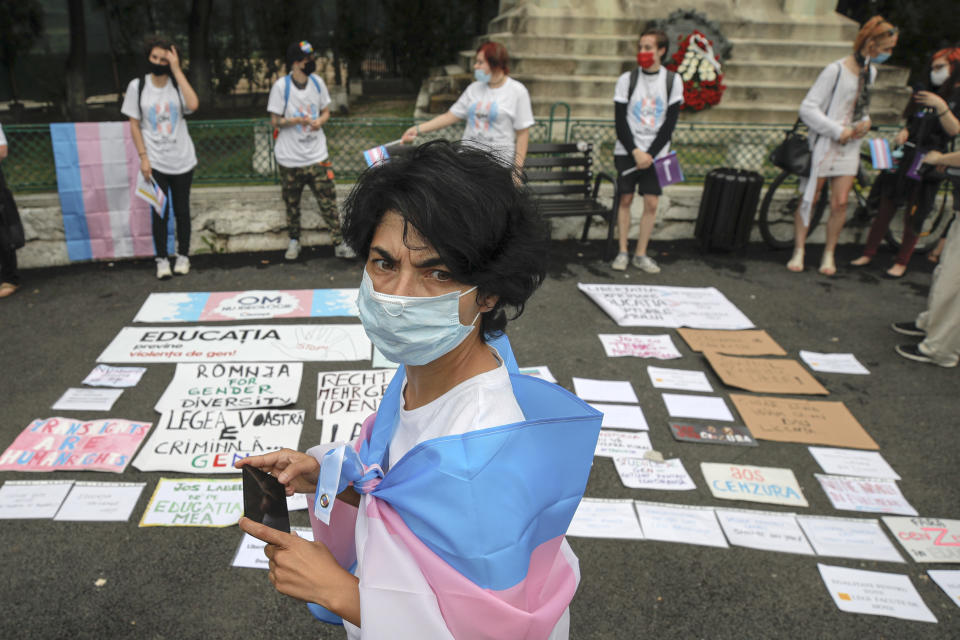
<point x="873" y="30"/>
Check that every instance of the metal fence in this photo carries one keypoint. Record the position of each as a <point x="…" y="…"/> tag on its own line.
<point x="241" y="151"/>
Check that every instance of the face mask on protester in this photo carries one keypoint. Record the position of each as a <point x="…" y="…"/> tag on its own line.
<point x="939" y="76"/>
<point x="412" y="330"/>
<point x="159" y="69"/>
<point x="480" y="76"/>
<point x="309" y="67"/>
<point x="645" y="59"/>
<point x="880" y="58"/>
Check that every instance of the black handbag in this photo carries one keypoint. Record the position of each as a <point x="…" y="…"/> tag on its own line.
<point x="793" y="154"/>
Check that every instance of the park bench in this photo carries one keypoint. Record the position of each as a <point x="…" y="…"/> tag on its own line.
<point x="563" y="183"/>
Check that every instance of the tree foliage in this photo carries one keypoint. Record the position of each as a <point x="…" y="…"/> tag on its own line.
<point x="21" y="25"/>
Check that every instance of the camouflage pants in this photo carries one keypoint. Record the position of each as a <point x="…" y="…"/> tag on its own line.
<point x="319" y="177"/>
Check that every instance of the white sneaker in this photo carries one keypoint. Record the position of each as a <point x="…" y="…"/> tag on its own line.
<point x="181" y="266"/>
<point x="342" y="250"/>
<point x="293" y="250"/>
<point x="163" y="269"/>
<point x="620" y="262"/>
<point x="646" y="264"/>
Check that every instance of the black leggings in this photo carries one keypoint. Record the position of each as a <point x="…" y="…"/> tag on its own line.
<point x="177" y="189"/>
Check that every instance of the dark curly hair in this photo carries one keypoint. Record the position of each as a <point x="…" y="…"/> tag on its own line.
<point x="156" y="40"/>
<point x="466" y="204"/>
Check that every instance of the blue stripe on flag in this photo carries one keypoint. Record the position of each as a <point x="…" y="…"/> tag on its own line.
<point x="70" y="189"/>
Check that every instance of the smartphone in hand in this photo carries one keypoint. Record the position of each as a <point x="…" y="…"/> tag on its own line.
<point x="264" y="499"/>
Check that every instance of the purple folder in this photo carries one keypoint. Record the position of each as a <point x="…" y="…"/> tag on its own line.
<point x="668" y="169"/>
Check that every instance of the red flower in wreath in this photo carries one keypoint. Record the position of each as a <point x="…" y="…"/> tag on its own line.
<point x="700" y="70"/>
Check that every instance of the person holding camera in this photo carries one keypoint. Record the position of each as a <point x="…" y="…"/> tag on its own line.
<point x="931" y="123"/>
<point x="836" y="110"/>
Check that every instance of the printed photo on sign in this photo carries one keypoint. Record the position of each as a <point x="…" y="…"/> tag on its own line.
<point x="32" y="499"/>
<point x="346" y="398"/>
<point x="771" y="485"/>
<point x="212" y="441"/>
<point x="248" y="305"/>
<point x="232" y="385"/>
<point x="65" y="444"/>
<point x="194" y="502"/>
<point x="679" y="523"/>
<point x="242" y="343"/>
<point x="605" y="518"/>
<point x="876" y="495"/>
<point x="874" y="593"/>
<point x="640" y="473"/>
<point x="250" y="554"/>
<point x="622" y="443"/>
<point x="100" y="501"/>
<point x="926" y="539"/>
<point x="732" y="434"/>
<point x="635" y="305"/>
<point x="617" y="345"/>
<point x="849" y="538"/>
<point x="764" y="530"/>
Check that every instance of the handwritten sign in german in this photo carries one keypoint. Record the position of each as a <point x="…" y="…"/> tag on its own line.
<point x="65" y="444"/>
<point x="232" y="385"/>
<point x="194" y="502"/>
<point x="346" y="398"/>
<point x="805" y="421"/>
<point x="926" y="539"/>
<point x="755" y="484"/>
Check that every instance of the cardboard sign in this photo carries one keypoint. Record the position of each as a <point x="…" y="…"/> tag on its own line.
<point x="240" y="343"/>
<point x="680" y="523"/>
<point x="211" y="441"/>
<point x="733" y="434"/>
<point x="765" y="530"/>
<point x="876" y="495"/>
<point x="927" y="539"/>
<point x="605" y="518"/>
<point x="764" y="375"/>
<point x="848" y="538"/>
<point x="668" y="169"/>
<point x="194" y="502"/>
<point x="617" y="345"/>
<point x="771" y="485"/>
<point x="248" y="305"/>
<point x="65" y="444"/>
<point x="804" y="421"/>
<point x="640" y="473"/>
<point x="632" y="305"/>
<point x="748" y="342"/>
<point x="346" y="398"/>
<point x="875" y="593"/>
<point x="233" y="385"/>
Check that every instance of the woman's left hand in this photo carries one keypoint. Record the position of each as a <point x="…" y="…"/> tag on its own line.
<point x="930" y="99"/>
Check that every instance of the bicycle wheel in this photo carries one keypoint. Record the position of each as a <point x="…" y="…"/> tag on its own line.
<point x="779" y="205"/>
<point x="933" y="226"/>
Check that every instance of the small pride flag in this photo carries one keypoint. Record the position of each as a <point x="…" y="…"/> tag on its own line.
<point x="379" y="154"/>
<point x="880" y="153"/>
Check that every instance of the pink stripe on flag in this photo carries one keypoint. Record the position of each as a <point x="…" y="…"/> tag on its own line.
<point x="529" y="609"/>
<point x="139" y="210"/>
<point x="95" y="205"/>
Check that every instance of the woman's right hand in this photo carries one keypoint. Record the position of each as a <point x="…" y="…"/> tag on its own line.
<point x="846" y="135"/>
<point x="145" y="168"/>
<point x="409" y="135"/>
<point x="296" y="471"/>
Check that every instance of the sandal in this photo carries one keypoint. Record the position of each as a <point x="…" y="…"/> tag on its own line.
<point x="796" y="262"/>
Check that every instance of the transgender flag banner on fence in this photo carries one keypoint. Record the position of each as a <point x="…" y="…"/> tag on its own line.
<point x="97" y="167"/>
<point x="880" y="153"/>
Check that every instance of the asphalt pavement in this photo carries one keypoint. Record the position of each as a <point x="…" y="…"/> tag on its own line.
<point x="178" y="583"/>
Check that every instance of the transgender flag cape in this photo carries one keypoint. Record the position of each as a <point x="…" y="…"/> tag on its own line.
<point x="464" y="536"/>
<point x="97" y="166"/>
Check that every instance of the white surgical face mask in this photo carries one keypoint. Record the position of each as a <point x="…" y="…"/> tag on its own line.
<point x="480" y="76"/>
<point x="412" y="330"/>
<point x="939" y="76"/>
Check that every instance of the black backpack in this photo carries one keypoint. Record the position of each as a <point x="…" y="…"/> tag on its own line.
<point x="636" y="74"/>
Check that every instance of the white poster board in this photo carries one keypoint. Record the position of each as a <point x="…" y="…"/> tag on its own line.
<point x="622" y="443"/>
<point x="641" y="473"/>
<point x="618" y="345"/>
<point x="231" y="385"/>
<point x="195" y="502"/>
<point x="605" y="518"/>
<point x="764" y="530"/>
<point x="926" y="539"/>
<point x="680" y="523"/>
<point x="637" y="305"/>
<point x="100" y="501"/>
<point x="875" y="593"/>
<point x="848" y="538"/>
<point x="250" y="554"/>
<point x="770" y="485"/>
<point x="30" y="499"/>
<point x="346" y="398"/>
<point x="875" y="495"/>
<point x="853" y="462"/>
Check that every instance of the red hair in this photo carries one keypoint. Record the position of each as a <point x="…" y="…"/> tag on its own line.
<point x="496" y="56"/>
<point x="952" y="54"/>
<point x="873" y="29"/>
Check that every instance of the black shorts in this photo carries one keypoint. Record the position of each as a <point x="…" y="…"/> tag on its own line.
<point x="644" y="181"/>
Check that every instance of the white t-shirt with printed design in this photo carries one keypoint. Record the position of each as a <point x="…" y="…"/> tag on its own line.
<point x="299" y="145"/>
<point x="164" y="129"/>
<point x="647" y="107"/>
<point x="495" y="115"/>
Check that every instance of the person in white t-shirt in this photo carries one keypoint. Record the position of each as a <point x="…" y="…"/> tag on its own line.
<point x="156" y="105"/>
<point x="299" y="106"/>
<point x="645" y="122"/>
<point x="496" y="108"/>
<point x="9" y="275"/>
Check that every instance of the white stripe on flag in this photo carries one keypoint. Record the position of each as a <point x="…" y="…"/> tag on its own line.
<point x="116" y="184"/>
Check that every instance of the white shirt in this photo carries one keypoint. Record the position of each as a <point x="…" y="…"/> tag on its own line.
<point x="299" y="145"/>
<point x="647" y="107"/>
<point x="162" y="125"/>
<point x="495" y="115"/>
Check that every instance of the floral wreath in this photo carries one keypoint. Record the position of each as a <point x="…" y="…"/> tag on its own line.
<point x="698" y="66"/>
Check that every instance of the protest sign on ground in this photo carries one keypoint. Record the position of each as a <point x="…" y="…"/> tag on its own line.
<point x="604" y="390"/>
<point x="641" y="473"/>
<point x="194" y="502"/>
<point x="765" y="530"/>
<point x="617" y="345"/>
<point x="211" y="441"/>
<point x="635" y="305"/>
<point x="248" y="305"/>
<point x="231" y="385"/>
<point x="65" y="444"/>
<point x="805" y="421"/>
<point x="834" y="363"/>
<point x="622" y="443"/>
<point x="681" y="405"/>
<point x="764" y="375"/>
<point x="29" y="499"/>
<point x="100" y="501"/>
<point x="748" y="342"/>
<point x="80" y="399"/>
<point x="733" y="434"/>
<point x="849" y="538"/>
<point x="239" y="343"/>
<point x="104" y="375"/>
<point x="771" y="485"/>
<point x="346" y="398"/>
<point x="605" y="518"/>
<point x="621" y="416"/>
<point x="949" y="581"/>
<point x="850" y="462"/>
<point x="926" y="539"/>
<point x="875" y="593"/>
<point x="250" y="554"/>
<point x="682" y="379"/>
<point x="876" y="495"/>
<point x="679" y="523"/>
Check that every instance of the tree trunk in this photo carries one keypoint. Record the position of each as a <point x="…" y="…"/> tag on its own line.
<point x="200" y="76"/>
<point x="76" y="69"/>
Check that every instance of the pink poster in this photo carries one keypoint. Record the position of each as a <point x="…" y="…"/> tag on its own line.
<point x="65" y="444"/>
<point x="255" y="305"/>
